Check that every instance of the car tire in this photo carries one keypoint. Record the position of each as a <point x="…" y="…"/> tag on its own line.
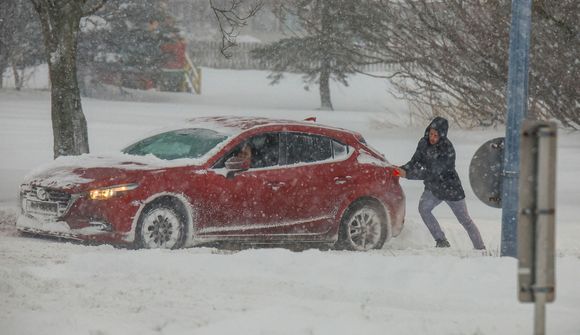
<point x="363" y="227"/>
<point x="160" y="227"/>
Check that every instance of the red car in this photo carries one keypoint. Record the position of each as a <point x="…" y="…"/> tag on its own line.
<point x="226" y="179"/>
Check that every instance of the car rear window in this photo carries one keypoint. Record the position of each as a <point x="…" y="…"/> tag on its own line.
<point x="362" y="140"/>
<point x="305" y="148"/>
<point x="183" y="143"/>
<point x="339" y="150"/>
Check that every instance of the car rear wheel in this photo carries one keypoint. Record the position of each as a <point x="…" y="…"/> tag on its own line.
<point x="160" y="227"/>
<point x="363" y="227"/>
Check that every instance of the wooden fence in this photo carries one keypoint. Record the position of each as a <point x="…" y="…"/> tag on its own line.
<point x="207" y="54"/>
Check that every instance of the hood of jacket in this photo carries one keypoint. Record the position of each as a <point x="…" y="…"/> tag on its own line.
<point x="440" y="124"/>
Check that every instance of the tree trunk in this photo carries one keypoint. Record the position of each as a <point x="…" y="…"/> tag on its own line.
<point x="3" y="65"/>
<point x="18" y="80"/>
<point x="60" y="25"/>
<point x="69" y="125"/>
<point x="325" y="66"/>
<point x="324" y="85"/>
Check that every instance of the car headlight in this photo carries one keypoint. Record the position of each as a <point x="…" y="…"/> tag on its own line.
<point x="109" y="192"/>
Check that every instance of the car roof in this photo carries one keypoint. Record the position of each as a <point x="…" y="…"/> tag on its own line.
<point x="237" y="124"/>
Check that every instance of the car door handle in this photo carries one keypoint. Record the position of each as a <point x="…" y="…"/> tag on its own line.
<point x="342" y="180"/>
<point x="275" y="185"/>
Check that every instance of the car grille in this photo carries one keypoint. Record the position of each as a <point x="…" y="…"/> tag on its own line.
<point x="45" y="202"/>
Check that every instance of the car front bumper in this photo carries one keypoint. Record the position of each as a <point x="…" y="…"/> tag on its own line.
<point x="61" y="229"/>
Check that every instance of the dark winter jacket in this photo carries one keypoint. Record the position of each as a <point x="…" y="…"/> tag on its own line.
<point x="435" y="164"/>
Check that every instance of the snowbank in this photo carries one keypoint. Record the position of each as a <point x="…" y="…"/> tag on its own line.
<point x="408" y="287"/>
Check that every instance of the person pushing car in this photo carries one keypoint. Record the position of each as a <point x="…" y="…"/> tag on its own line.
<point x="434" y="163"/>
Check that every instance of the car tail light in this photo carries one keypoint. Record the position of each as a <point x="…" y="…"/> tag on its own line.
<point x="396" y="173"/>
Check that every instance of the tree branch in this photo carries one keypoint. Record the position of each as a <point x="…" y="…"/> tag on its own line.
<point x="231" y="21"/>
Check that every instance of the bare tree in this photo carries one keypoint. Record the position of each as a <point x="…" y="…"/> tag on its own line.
<point x="453" y="56"/>
<point x="231" y="17"/>
<point x="60" y="21"/>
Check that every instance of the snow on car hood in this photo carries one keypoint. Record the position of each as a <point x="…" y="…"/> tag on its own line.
<point x="68" y="172"/>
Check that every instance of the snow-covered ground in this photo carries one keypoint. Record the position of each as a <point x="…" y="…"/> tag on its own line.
<point x="408" y="287"/>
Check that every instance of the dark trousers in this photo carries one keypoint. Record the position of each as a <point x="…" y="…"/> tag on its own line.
<point x="429" y="201"/>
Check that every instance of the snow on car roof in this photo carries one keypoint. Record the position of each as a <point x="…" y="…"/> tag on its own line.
<point x="237" y="124"/>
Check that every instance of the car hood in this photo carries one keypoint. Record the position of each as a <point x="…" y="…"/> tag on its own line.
<point x="81" y="173"/>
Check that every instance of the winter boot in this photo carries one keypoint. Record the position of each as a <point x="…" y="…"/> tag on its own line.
<point x="442" y="243"/>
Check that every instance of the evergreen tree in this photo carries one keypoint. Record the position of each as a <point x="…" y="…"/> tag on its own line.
<point x="326" y="47"/>
<point x="124" y="44"/>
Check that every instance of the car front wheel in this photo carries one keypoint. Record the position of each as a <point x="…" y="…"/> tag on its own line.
<point x="160" y="227"/>
<point x="363" y="227"/>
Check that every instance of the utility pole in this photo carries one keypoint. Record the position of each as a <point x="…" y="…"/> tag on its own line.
<point x="517" y="107"/>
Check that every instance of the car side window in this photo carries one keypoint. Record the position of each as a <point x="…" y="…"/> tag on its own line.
<point x="307" y="148"/>
<point x="265" y="151"/>
<point x="339" y="150"/>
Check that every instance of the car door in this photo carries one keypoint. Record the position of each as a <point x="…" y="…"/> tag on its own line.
<point x="244" y="204"/>
<point x="317" y="180"/>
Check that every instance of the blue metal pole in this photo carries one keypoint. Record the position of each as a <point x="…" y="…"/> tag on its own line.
<point x="517" y="103"/>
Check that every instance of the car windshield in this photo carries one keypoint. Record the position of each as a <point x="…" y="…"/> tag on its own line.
<point x="183" y="143"/>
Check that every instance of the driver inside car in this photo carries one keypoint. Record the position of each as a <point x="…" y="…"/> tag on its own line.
<point x="241" y="160"/>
